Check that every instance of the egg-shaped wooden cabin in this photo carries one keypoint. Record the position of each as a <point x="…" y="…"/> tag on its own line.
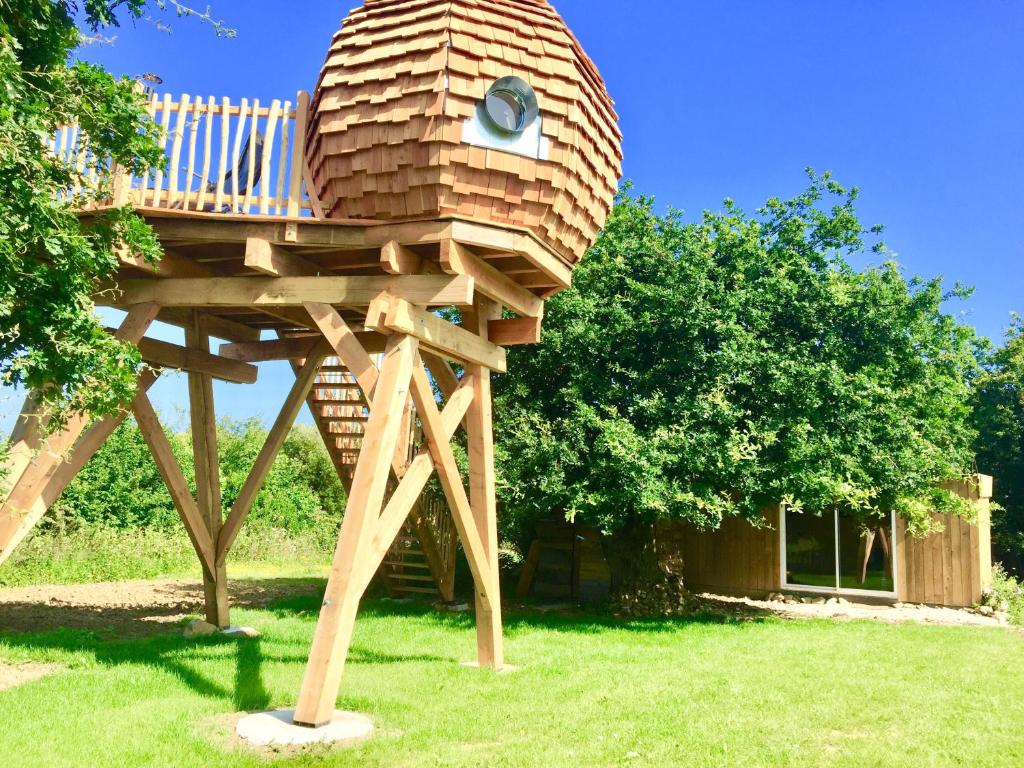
<point x="483" y="109"/>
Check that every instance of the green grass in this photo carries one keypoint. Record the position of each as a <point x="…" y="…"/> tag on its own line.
<point x="94" y="554"/>
<point x="590" y="691"/>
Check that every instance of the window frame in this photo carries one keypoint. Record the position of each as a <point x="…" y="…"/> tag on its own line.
<point x="837" y="590"/>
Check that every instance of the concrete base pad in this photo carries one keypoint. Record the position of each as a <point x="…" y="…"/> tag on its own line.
<point x="476" y="665"/>
<point x="240" y="632"/>
<point x="277" y="729"/>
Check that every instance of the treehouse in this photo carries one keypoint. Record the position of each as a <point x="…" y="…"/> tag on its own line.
<point x="455" y="154"/>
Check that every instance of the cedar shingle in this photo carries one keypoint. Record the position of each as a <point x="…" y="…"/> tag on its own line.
<point x="401" y="78"/>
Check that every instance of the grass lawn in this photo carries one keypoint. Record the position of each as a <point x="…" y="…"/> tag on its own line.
<point x="589" y="691"/>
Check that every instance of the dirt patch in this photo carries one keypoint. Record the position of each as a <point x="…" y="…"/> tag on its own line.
<point x="19" y="674"/>
<point x="130" y="608"/>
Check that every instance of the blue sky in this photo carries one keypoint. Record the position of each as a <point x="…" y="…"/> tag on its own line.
<point x="920" y="104"/>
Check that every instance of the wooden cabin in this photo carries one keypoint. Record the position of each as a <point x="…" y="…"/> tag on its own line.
<point x="455" y="154"/>
<point x="807" y="555"/>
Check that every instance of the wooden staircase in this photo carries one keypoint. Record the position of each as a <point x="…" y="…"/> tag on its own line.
<point x="421" y="560"/>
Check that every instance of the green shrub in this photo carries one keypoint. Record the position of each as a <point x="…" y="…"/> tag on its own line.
<point x="120" y="488"/>
<point x="1006" y="594"/>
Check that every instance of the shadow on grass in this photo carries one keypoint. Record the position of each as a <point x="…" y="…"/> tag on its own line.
<point x="147" y="634"/>
<point x="527" y="617"/>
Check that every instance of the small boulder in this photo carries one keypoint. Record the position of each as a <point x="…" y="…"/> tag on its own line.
<point x="240" y="632"/>
<point x="451" y="607"/>
<point x="775" y="597"/>
<point x="199" y="628"/>
<point x="818" y="601"/>
<point x="986" y="610"/>
<point x="832" y="601"/>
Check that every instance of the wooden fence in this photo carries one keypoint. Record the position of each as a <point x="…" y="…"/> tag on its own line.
<point x="239" y="158"/>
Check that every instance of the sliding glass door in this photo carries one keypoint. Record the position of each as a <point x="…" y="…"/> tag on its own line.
<point x="835" y="552"/>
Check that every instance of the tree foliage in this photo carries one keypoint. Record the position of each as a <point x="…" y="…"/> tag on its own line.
<point x="49" y="263"/>
<point x="999" y="418"/>
<point x="698" y="370"/>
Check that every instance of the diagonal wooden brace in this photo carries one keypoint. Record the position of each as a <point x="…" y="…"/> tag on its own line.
<point x="451" y="482"/>
<point x="177" y="486"/>
<point x="15" y="527"/>
<point x="409" y="489"/>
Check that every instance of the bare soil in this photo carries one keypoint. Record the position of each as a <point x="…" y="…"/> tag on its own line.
<point x="130" y="608"/>
<point x="19" y="674"/>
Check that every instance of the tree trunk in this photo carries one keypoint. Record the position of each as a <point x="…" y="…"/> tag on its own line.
<point x="646" y="565"/>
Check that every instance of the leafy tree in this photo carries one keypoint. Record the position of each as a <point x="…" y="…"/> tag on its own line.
<point x="50" y="263"/>
<point x="999" y="418"/>
<point x="699" y="370"/>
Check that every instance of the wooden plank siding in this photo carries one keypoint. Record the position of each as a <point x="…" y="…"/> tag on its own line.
<point x="951" y="567"/>
<point x="735" y="559"/>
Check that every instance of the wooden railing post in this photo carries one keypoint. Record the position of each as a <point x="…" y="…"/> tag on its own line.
<point x="298" y="159"/>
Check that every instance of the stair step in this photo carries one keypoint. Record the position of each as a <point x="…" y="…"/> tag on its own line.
<point x="411" y="577"/>
<point x="420" y="590"/>
<point x="401" y="564"/>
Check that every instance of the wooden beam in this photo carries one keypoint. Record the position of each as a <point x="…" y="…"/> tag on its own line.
<point x="346" y="345"/>
<point x="170" y="471"/>
<point x="33" y="463"/>
<point x="396" y="259"/>
<point x="270" y="259"/>
<point x="207" y="473"/>
<point x="171" y="264"/>
<point x="412" y="484"/>
<point x="166" y="355"/>
<point x="265" y="460"/>
<point x="457" y="259"/>
<point x="480" y="448"/>
<point x="520" y="243"/>
<point x="442" y="372"/>
<point x="218" y="327"/>
<point x="333" y="634"/>
<point x="296" y="348"/>
<point x="424" y="290"/>
<point x="515" y="331"/>
<point x="389" y="313"/>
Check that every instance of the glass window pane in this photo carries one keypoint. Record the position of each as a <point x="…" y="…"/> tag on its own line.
<point x="505" y="110"/>
<point x="865" y="554"/>
<point x="811" y="549"/>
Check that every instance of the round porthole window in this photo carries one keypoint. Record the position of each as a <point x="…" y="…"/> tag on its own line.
<point x="510" y="105"/>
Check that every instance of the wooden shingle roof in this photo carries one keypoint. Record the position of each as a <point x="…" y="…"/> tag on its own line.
<point x="401" y="79"/>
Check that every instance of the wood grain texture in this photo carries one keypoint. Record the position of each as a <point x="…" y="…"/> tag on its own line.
<point x="400" y="80"/>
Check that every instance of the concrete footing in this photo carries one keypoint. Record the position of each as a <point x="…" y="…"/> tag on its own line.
<point x="277" y="729"/>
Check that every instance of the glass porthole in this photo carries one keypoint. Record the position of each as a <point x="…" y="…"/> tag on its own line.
<point x="510" y="105"/>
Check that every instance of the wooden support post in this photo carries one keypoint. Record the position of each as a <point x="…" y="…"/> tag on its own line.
<point x="333" y="634"/>
<point x="204" y="451"/>
<point x="480" y="446"/>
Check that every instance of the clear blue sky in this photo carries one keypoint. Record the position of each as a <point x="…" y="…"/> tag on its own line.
<point x="919" y="103"/>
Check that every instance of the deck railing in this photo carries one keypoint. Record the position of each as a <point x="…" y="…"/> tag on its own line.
<point x="221" y="157"/>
